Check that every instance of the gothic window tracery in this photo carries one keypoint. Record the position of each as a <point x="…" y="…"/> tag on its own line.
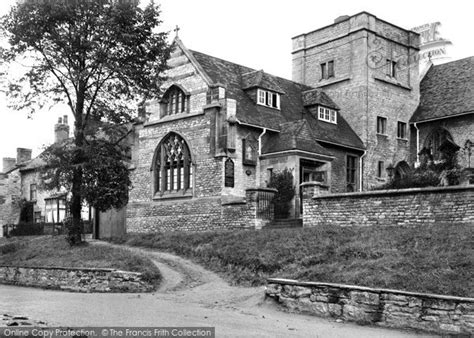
<point x="174" y="101"/>
<point x="173" y="170"/>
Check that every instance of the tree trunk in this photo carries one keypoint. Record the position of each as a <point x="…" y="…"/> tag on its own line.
<point x="76" y="228"/>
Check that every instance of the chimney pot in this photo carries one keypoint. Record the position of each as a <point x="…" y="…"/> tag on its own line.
<point x="8" y="164"/>
<point x="61" y="130"/>
<point x="65" y="119"/>
<point x="22" y="155"/>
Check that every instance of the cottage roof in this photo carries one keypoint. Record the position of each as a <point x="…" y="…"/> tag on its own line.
<point x="447" y="90"/>
<point x="295" y="100"/>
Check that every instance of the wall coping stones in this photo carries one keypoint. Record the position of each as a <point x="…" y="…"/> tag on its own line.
<point x="283" y="281"/>
<point x="262" y="189"/>
<point x="381" y="307"/>
<point x="393" y="192"/>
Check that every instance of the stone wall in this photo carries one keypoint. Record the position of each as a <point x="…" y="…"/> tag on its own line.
<point x="75" y="279"/>
<point x="196" y="214"/>
<point x="415" y="206"/>
<point x="382" y="307"/>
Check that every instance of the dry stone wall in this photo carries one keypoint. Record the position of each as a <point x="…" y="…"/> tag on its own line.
<point x="75" y="279"/>
<point x="382" y="307"/>
<point x="415" y="206"/>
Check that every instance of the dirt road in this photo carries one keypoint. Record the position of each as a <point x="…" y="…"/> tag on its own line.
<point x="188" y="296"/>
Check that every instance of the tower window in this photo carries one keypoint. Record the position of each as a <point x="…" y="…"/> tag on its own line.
<point x="391" y="68"/>
<point x="381" y="125"/>
<point x="174" y="101"/>
<point x="327" y="70"/>
<point x="402" y="130"/>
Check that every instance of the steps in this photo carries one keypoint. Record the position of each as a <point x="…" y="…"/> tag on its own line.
<point x="291" y="223"/>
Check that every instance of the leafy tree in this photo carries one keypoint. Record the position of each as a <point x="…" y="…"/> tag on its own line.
<point x="103" y="59"/>
<point x="283" y="182"/>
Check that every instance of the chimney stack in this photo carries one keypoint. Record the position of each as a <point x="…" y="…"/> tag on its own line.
<point x="22" y="155"/>
<point x="61" y="130"/>
<point x="8" y="164"/>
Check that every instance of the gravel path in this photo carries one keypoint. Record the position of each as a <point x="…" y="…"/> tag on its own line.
<point x="188" y="296"/>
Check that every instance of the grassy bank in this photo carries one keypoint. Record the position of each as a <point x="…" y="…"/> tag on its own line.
<point x="47" y="251"/>
<point x="434" y="259"/>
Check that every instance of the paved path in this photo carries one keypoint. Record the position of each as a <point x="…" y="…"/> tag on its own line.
<point x="188" y="296"/>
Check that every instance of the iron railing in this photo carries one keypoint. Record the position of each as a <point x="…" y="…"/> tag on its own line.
<point x="265" y="206"/>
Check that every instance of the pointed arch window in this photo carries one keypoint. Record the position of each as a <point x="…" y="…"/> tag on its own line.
<point x="173" y="170"/>
<point x="174" y="101"/>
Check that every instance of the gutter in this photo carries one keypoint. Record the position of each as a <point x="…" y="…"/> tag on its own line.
<point x="260" y="153"/>
<point x="417" y="143"/>
<point x="360" y="169"/>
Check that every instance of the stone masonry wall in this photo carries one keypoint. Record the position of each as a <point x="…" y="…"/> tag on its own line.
<point x="415" y="206"/>
<point x="381" y="307"/>
<point x="75" y="279"/>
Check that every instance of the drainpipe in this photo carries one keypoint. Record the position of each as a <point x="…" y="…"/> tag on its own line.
<point x="417" y="144"/>
<point x="360" y="169"/>
<point x="260" y="153"/>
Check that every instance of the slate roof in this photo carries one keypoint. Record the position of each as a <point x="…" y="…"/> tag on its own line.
<point x="446" y="90"/>
<point x="294" y="101"/>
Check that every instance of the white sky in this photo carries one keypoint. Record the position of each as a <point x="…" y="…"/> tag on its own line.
<point x="254" y="33"/>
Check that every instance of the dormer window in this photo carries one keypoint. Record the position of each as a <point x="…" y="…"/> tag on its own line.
<point x="268" y="98"/>
<point x="327" y="115"/>
<point x="174" y="101"/>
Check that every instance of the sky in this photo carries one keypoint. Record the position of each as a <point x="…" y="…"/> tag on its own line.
<point x="254" y="33"/>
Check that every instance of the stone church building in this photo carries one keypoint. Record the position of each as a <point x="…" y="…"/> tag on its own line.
<point x="221" y="129"/>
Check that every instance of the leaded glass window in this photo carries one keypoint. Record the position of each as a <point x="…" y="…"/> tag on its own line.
<point x="173" y="166"/>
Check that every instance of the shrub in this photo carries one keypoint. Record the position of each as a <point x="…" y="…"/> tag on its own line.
<point x="283" y="182"/>
<point x="27" y="229"/>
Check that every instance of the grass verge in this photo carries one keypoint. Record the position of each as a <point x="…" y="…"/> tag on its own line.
<point x="47" y="251"/>
<point x="433" y="259"/>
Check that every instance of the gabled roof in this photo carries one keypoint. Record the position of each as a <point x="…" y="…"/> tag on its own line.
<point x="294" y="135"/>
<point x="447" y="90"/>
<point x="294" y="100"/>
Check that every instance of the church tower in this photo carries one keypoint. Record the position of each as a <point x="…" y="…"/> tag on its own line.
<point x="369" y="67"/>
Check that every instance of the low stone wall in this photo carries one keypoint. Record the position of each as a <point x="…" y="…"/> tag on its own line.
<point x="75" y="279"/>
<point x="391" y="207"/>
<point x="198" y="214"/>
<point x="388" y="308"/>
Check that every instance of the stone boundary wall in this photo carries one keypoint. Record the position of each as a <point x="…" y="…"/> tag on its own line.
<point x="75" y="279"/>
<point x="381" y="307"/>
<point x="416" y="206"/>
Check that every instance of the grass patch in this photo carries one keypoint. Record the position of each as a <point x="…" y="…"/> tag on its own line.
<point x="47" y="251"/>
<point x="434" y="259"/>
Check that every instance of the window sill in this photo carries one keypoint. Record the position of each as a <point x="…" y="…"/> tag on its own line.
<point x="382" y="135"/>
<point x="174" y="117"/>
<point x="404" y="140"/>
<point x="332" y="80"/>
<point x="392" y="81"/>
<point x="173" y="195"/>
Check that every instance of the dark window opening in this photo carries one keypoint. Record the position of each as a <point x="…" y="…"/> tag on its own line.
<point x="351" y="170"/>
<point x="327" y="70"/>
<point x="229" y="173"/>
<point x="402" y="130"/>
<point x="381" y="125"/>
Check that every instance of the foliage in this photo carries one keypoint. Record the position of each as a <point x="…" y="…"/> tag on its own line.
<point x="50" y="251"/>
<point x="103" y="59"/>
<point x="429" y="174"/>
<point x="27" y="229"/>
<point x="283" y="182"/>
<point x="434" y="259"/>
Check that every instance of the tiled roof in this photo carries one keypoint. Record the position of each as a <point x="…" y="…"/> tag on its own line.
<point x="237" y="79"/>
<point x="446" y="90"/>
<point x="295" y="135"/>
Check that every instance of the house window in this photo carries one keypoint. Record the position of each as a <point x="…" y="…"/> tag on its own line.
<point x="391" y="68"/>
<point x="173" y="169"/>
<point x="268" y="98"/>
<point x="55" y="209"/>
<point x="174" y="101"/>
<point x="33" y="192"/>
<point x="38" y="217"/>
<point x="229" y="173"/>
<point x="380" y="169"/>
<point x="381" y="125"/>
<point x="351" y="169"/>
<point x="327" y="70"/>
<point x="328" y="115"/>
<point x="402" y="130"/>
